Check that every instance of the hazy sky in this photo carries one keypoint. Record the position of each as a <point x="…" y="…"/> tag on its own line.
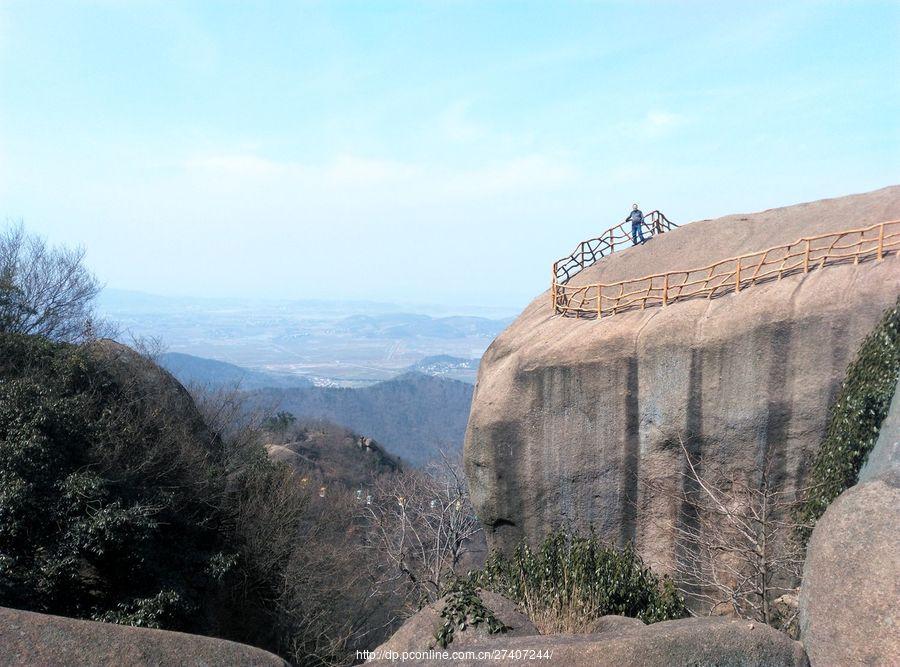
<point x="431" y="151"/>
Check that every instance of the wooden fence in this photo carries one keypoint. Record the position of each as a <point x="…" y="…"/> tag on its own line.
<point x="607" y="243"/>
<point x="728" y="275"/>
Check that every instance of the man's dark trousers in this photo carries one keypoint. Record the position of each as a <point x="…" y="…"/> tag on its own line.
<point x="637" y="232"/>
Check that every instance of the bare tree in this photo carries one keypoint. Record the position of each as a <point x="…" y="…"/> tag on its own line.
<point x="45" y="290"/>
<point x="419" y="525"/>
<point x="735" y="543"/>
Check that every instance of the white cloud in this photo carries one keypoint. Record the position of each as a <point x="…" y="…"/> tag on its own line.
<point x="349" y="176"/>
<point x="655" y="124"/>
<point x="525" y="174"/>
<point x="243" y="165"/>
<point x="658" y="123"/>
<point x="455" y="124"/>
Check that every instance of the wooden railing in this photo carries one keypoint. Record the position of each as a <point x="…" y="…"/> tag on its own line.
<point x="607" y="243"/>
<point x="728" y="275"/>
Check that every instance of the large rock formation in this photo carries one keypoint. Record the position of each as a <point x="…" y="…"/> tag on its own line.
<point x="691" y="642"/>
<point x="571" y="418"/>
<point x="27" y="638"/>
<point x="851" y="578"/>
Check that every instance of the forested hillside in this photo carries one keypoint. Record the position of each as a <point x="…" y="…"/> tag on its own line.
<point x="414" y="416"/>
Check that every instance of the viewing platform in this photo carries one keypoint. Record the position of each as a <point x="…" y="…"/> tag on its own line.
<point x="725" y="276"/>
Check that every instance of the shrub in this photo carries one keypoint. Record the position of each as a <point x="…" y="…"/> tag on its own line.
<point x="463" y="608"/>
<point x="108" y="507"/>
<point x="571" y="581"/>
<point x="855" y="418"/>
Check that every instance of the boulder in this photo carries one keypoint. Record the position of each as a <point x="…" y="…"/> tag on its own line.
<point x="851" y="577"/>
<point x="27" y="638"/>
<point x="694" y="642"/>
<point x="611" y="623"/>
<point x="418" y="632"/>
<point x="851" y="580"/>
<point x="576" y="423"/>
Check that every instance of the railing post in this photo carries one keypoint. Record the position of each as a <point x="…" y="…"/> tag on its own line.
<point x="881" y="241"/>
<point x="806" y="258"/>
<point x="599" y="301"/>
<point x="666" y="290"/>
<point x="737" y="277"/>
<point x="553" y="290"/>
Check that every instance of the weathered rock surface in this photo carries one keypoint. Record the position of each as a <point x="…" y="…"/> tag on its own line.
<point x="572" y="418"/>
<point x="611" y="623"/>
<point x="851" y="578"/>
<point x="694" y="642"/>
<point x="27" y="638"/>
<point x="883" y="462"/>
<point x="418" y="632"/>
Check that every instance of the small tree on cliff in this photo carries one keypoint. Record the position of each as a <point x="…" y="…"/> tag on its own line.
<point x="735" y="541"/>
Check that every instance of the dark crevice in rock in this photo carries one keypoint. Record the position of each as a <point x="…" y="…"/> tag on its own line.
<point x="505" y="466"/>
<point x="779" y="410"/>
<point x="687" y="514"/>
<point x="630" y="455"/>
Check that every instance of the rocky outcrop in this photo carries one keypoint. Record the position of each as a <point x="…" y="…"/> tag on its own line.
<point x="27" y="638"/>
<point x="694" y="642"/>
<point x="419" y="631"/>
<point x="851" y="578"/>
<point x="573" y="420"/>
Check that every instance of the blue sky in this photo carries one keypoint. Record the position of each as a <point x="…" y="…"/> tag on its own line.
<point x="423" y="151"/>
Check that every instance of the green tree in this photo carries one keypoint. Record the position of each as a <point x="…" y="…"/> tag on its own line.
<point x="108" y="507"/>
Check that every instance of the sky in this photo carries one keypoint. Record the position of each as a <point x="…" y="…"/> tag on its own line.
<point x="436" y="152"/>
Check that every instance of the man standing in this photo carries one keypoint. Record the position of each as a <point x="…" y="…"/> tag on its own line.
<point x="636" y="217"/>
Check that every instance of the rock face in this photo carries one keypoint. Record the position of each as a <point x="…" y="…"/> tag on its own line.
<point x="851" y="578"/>
<point x="27" y="638"/>
<point x="694" y="642"/>
<point x="883" y="462"/>
<point x="572" y="418"/>
<point x="418" y="632"/>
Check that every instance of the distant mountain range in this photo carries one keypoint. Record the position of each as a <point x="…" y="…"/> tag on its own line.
<point x="414" y="416"/>
<point x="191" y="370"/>
<point x="332" y="343"/>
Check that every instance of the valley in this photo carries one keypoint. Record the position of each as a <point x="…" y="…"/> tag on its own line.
<point x="333" y="344"/>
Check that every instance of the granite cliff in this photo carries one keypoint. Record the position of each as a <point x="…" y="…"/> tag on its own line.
<point x="573" y="420"/>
